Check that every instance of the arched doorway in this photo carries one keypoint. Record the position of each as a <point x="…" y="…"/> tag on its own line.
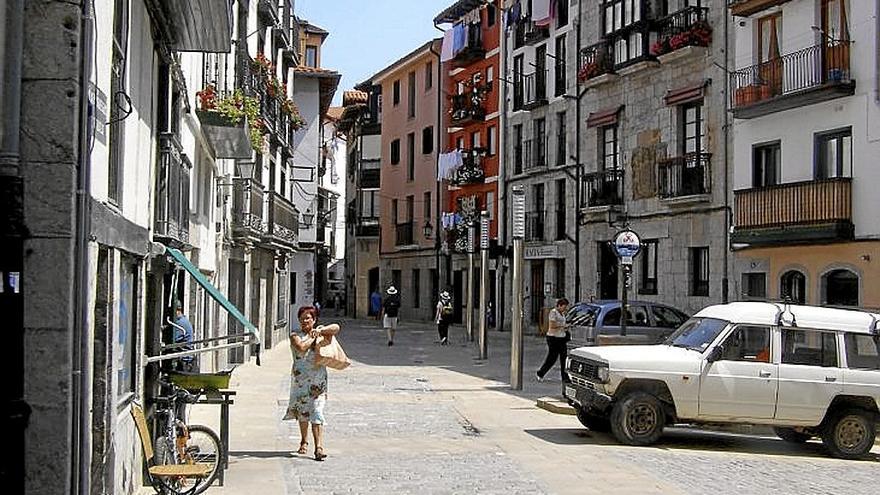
<point x="793" y="287"/>
<point x="841" y="288"/>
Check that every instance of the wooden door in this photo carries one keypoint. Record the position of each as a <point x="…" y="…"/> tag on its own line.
<point x="835" y="39"/>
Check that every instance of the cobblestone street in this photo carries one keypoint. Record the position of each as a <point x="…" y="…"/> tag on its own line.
<point x="421" y="418"/>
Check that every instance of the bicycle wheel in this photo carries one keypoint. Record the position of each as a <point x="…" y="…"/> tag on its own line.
<point x="203" y="447"/>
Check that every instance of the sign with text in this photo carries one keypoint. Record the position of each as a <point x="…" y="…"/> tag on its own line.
<point x="627" y="245"/>
<point x="541" y="252"/>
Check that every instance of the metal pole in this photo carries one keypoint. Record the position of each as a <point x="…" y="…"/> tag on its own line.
<point x="484" y="280"/>
<point x="624" y="310"/>
<point x="469" y="318"/>
<point x="518" y="231"/>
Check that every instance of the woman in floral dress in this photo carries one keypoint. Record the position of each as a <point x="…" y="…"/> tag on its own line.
<point x="308" y="383"/>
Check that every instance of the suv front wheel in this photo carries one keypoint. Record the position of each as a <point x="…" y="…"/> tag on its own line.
<point x="638" y="419"/>
<point x="849" y="434"/>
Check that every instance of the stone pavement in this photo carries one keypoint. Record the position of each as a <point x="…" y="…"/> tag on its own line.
<point x="419" y="417"/>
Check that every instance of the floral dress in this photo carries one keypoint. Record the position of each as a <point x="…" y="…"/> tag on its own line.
<point x="308" y="386"/>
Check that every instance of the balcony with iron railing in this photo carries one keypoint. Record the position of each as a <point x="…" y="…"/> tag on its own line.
<point x="811" y="75"/>
<point x="535" y="154"/>
<point x="603" y="188"/>
<point x="532" y="33"/>
<point x="745" y="8"/>
<point x="596" y="60"/>
<point x="535" y="89"/>
<point x="535" y="226"/>
<point x="171" y="222"/>
<point x="810" y="211"/>
<point x="247" y="209"/>
<point x="283" y="221"/>
<point x="686" y="175"/>
<point x="517" y="158"/>
<point x="471" y="171"/>
<point x="473" y="49"/>
<point x="404" y="234"/>
<point x="467" y="108"/>
<point x="686" y="27"/>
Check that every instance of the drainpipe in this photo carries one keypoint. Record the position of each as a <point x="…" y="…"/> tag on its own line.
<point x="501" y="215"/>
<point x="579" y="169"/>
<point x="9" y="155"/>
<point x="725" y="289"/>
<point x="441" y="130"/>
<point x="437" y="148"/>
<point x="81" y="467"/>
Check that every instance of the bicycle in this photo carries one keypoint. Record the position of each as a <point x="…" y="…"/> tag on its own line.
<point x="179" y="443"/>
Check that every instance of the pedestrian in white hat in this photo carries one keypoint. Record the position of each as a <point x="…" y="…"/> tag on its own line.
<point x="390" y="312"/>
<point x="444" y="316"/>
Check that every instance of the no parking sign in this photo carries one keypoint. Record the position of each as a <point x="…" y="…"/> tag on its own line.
<point x="627" y="245"/>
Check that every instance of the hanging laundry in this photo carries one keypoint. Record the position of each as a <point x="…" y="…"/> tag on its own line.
<point x="458" y="38"/>
<point x="541" y="11"/>
<point x="446" y="50"/>
<point x="513" y="14"/>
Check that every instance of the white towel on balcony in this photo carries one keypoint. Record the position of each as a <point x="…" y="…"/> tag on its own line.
<point x="446" y="52"/>
<point x="541" y="11"/>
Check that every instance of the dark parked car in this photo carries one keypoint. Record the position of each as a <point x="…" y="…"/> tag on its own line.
<point x="647" y="322"/>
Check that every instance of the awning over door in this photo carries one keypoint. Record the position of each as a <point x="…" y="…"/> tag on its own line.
<point x="213" y="291"/>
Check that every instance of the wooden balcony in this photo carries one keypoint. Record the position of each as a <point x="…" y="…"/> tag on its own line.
<point x="171" y="224"/>
<point x="247" y="209"/>
<point x="745" y="8"/>
<point x="811" y="75"/>
<point x="810" y="211"/>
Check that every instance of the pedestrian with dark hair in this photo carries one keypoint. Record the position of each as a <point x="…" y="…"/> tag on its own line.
<point x="375" y="304"/>
<point x="443" y="316"/>
<point x="390" y="313"/>
<point x="557" y="340"/>
<point x="308" y="382"/>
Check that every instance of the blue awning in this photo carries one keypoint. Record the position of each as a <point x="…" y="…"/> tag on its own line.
<point x="213" y="291"/>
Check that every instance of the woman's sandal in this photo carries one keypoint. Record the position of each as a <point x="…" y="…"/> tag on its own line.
<point x="319" y="454"/>
<point x="303" y="448"/>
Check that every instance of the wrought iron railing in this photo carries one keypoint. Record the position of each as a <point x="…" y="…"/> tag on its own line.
<point x="467" y="107"/>
<point x="247" y="207"/>
<point x="284" y="220"/>
<point x="685" y="175"/>
<point x="535" y="88"/>
<point x="535" y="226"/>
<point x="596" y="60"/>
<point x="172" y="190"/>
<point x="471" y="171"/>
<point x="604" y="188"/>
<point x="535" y="153"/>
<point x="797" y="203"/>
<point x="809" y="68"/>
<point x="404" y="233"/>
<point x="473" y="47"/>
<point x="687" y="27"/>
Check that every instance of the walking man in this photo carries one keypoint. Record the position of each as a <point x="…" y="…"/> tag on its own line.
<point x="390" y="311"/>
<point x="557" y="340"/>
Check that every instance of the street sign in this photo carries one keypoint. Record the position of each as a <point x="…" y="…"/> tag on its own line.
<point x="627" y="245"/>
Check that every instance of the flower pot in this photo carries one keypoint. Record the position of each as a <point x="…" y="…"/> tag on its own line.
<point x="229" y="140"/>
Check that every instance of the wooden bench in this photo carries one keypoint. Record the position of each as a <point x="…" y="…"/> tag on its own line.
<point x="166" y="476"/>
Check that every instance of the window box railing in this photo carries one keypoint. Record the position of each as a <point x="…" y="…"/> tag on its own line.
<point x="247" y="208"/>
<point x="534" y="89"/>
<point x="687" y="27"/>
<point x="172" y="191"/>
<point x="534" y="154"/>
<point x="813" y="74"/>
<point x="535" y="226"/>
<point x="283" y="220"/>
<point x="466" y="108"/>
<point x="471" y="171"/>
<point x="404" y="234"/>
<point x="603" y="188"/>
<point x="686" y="175"/>
<point x="473" y="49"/>
<point x="596" y="60"/>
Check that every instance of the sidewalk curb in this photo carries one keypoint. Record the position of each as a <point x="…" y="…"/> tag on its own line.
<point x="555" y="405"/>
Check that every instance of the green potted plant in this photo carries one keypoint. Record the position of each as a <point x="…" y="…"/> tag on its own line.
<point x="230" y="122"/>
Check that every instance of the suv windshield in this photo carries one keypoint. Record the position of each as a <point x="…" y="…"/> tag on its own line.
<point x="697" y="333"/>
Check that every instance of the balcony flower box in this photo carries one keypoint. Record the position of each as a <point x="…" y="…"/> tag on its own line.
<point x="589" y="71"/>
<point x="230" y="122"/>
<point x="698" y="34"/>
<point x="752" y="93"/>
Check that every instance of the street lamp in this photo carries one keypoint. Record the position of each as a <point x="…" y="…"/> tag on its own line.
<point x="307" y="218"/>
<point x="246" y="169"/>
<point x="428" y="229"/>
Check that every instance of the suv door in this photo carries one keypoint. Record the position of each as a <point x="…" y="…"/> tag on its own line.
<point x="742" y="384"/>
<point x="862" y="376"/>
<point x="809" y="375"/>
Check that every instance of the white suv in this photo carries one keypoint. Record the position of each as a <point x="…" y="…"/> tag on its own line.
<point x="805" y="370"/>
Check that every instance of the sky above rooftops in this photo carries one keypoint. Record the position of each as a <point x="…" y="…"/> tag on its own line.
<point x="368" y="35"/>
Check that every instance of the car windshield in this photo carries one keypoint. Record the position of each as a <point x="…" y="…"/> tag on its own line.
<point x="697" y="333"/>
<point x="581" y="314"/>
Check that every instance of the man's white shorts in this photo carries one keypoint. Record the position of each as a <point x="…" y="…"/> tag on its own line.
<point x="390" y="322"/>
